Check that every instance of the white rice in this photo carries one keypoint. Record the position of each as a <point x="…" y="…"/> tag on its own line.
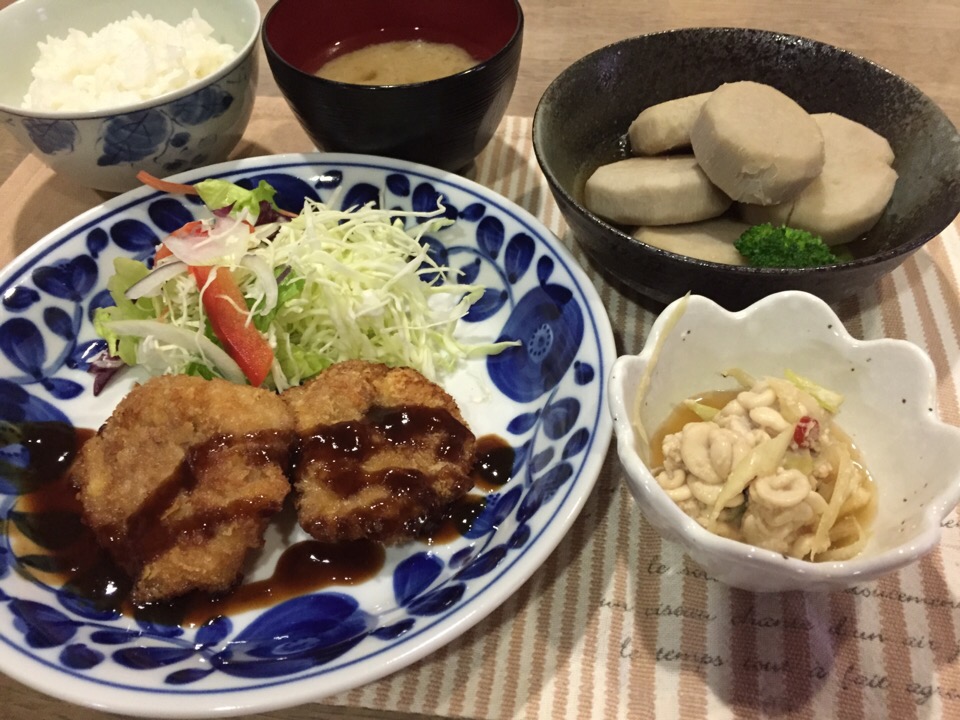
<point x="126" y="62"/>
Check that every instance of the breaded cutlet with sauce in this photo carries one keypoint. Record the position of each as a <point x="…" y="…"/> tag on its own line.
<point x="382" y="451"/>
<point x="181" y="481"/>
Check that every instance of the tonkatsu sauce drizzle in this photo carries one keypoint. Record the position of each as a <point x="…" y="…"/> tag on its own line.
<point x="492" y="469"/>
<point x="48" y="518"/>
<point x="493" y="463"/>
<point x="49" y="525"/>
<point x="304" y="567"/>
<point x="145" y="537"/>
<point x="341" y="448"/>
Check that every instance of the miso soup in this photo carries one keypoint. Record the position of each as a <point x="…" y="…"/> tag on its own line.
<point x="399" y="62"/>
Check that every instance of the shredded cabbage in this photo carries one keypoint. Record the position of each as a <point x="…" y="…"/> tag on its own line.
<point x="352" y="284"/>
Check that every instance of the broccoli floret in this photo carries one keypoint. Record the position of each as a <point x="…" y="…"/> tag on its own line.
<point x="785" y="247"/>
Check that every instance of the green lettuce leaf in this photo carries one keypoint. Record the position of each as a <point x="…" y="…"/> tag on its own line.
<point x="286" y="291"/>
<point x="126" y="273"/>
<point x="217" y="194"/>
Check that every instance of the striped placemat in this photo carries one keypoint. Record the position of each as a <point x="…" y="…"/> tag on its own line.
<point x="619" y="624"/>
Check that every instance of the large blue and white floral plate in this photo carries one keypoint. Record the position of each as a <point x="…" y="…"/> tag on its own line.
<point x="546" y="398"/>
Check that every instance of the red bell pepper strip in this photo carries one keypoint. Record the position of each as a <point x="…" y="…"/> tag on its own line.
<point x="222" y="301"/>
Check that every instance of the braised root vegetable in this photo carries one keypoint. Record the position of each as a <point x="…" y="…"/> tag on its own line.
<point x="654" y="191"/>
<point x="665" y="126"/>
<point x="756" y="144"/>
<point x="851" y="192"/>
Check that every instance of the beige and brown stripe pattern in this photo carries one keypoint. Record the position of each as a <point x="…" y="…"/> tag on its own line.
<point x="618" y="624"/>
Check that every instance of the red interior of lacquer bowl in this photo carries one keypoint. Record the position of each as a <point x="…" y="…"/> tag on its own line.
<point x="307" y="33"/>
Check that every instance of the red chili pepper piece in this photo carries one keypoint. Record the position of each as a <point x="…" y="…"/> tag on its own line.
<point x="806" y="432"/>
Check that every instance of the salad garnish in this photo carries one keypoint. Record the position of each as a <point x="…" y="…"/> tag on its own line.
<point x="257" y="294"/>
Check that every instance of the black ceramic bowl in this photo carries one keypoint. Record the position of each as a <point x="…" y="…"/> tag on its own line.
<point x="582" y="120"/>
<point x="444" y="122"/>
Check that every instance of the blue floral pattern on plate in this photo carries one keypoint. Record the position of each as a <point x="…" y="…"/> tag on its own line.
<point x="545" y="397"/>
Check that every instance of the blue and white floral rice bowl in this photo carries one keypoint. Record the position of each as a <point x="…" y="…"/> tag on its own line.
<point x="188" y="128"/>
<point x="546" y="398"/>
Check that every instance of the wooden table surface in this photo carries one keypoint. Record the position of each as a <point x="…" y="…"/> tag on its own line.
<point x="918" y="40"/>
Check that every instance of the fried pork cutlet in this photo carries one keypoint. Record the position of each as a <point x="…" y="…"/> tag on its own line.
<point x="383" y="450"/>
<point x="180" y="482"/>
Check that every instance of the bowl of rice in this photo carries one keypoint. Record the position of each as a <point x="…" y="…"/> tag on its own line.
<point x="101" y="90"/>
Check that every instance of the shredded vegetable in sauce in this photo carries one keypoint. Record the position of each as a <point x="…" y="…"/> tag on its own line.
<point x="767" y="465"/>
<point x="257" y="294"/>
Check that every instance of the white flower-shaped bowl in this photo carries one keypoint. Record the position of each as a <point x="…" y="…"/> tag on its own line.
<point x="889" y="410"/>
<point x="105" y="149"/>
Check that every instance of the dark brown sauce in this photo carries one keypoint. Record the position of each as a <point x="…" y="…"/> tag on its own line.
<point x="77" y="562"/>
<point x="342" y="448"/>
<point x="304" y="567"/>
<point x="493" y="463"/>
<point x="51" y="516"/>
<point x="145" y="538"/>
<point x="52" y="447"/>
<point x="456" y="521"/>
<point x="492" y="469"/>
<point x="54" y="521"/>
<point x="83" y="567"/>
